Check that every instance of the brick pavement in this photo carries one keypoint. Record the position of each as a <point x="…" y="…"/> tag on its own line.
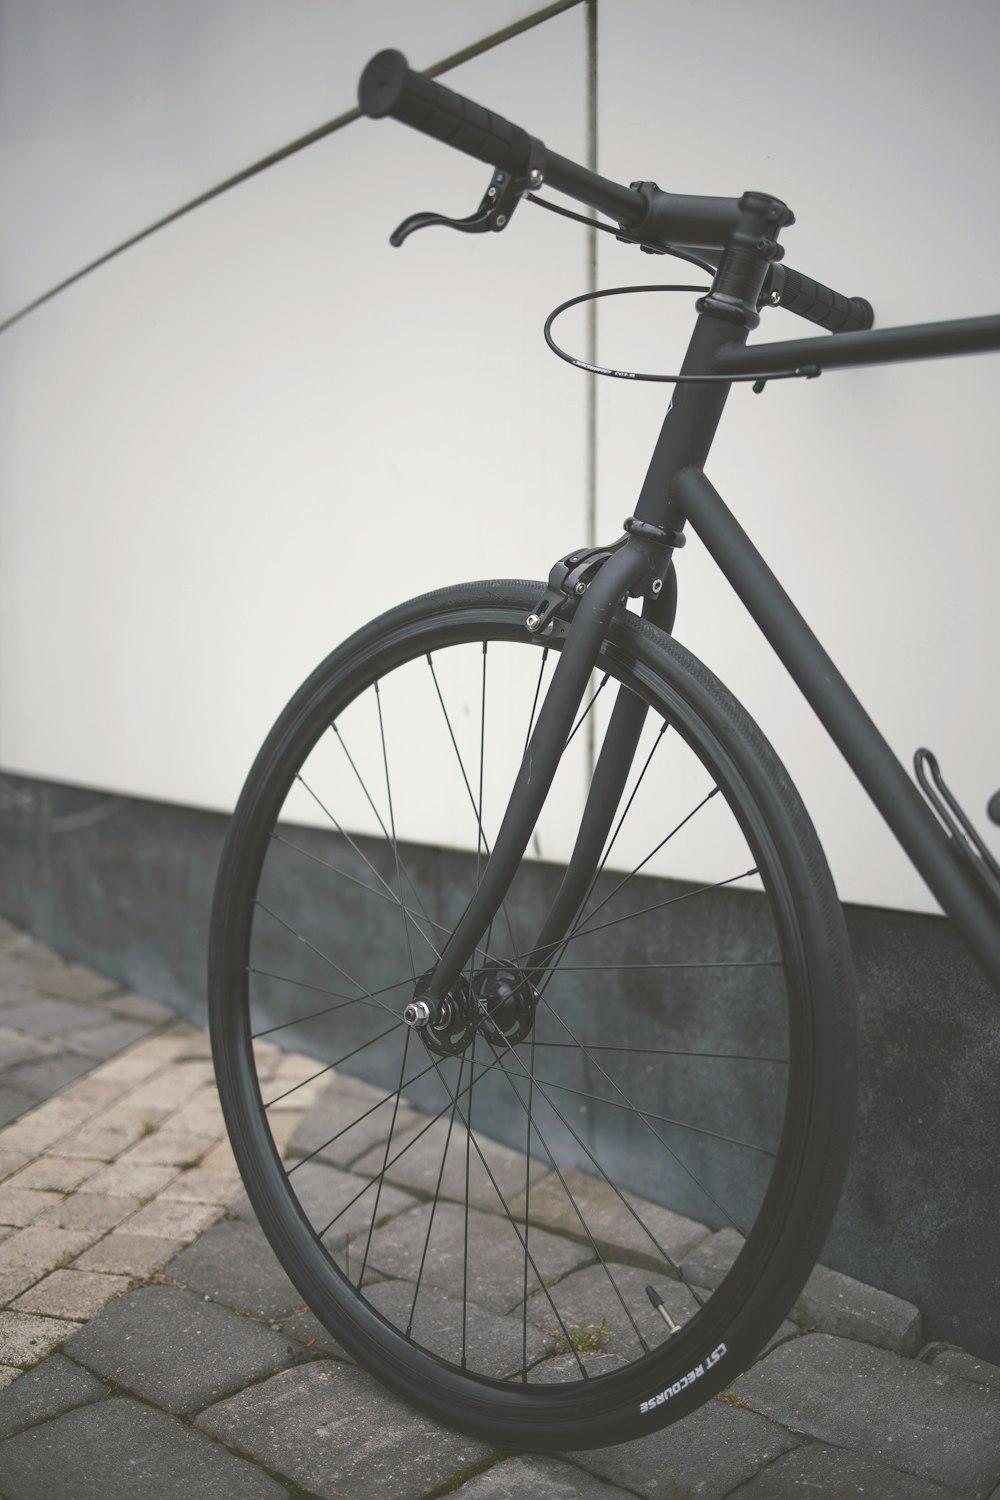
<point x="150" y="1343"/>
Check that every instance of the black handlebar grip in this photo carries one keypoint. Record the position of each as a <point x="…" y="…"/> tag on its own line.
<point x="819" y="303"/>
<point x="389" y="86"/>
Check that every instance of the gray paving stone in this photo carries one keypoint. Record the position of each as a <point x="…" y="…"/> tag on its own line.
<point x="333" y="1430"/>
<point x="170" y="1148"/>
<point x="343" y="1124"/>
<point x="958" y="1362"/>
<point x="709" y="1261"/>
<point x="123" y="1179"/>
<point x="43" y="1017"/>
<point x="72" y="981"/>
<point x="112" y="1035"/>
<point x="56" y="1173"/>
<point x="837" y="1304"/>
<point x="200" y="1185"/>
<point x="25" y="1338"/>
<point x="28" y="951"/>
<point x="54" y="1386"/>
<point x="47" y="1075"/>
<point x="587" y="1300"/>
<point x="13" y="1103"/>
<point x="138" y="1008"/>
<point x="495" y="1256"/>
<point x="130" y="1254"/>
<point x="437" y="1325"/>
<point x="166" y="1218"/>
<point x="20" y="1205"/>
<point x="176" y="1349"/>
<point x="539" y="1478"/>
<point x="340" y="1200"/>
<point x="306" y="1329"/>
<point x="17" y="1047"/>
<point x="100" y="1141"/>
<point x="119" y="1449"/>
<point x="33" y="1251"/>
<point x="616" y="1232"/>
<point x="830" y="1302"/>
<point x="818" y="1472"/>
<point x="71" y="1294"/>
<point x="91" y="1213"/>
<point x="233" y="1263"/>
<point x="898" y="1411"/>
<point x="709" y="1454"/>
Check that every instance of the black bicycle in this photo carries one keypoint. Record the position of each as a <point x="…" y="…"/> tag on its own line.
<point x="577" y="1128"/>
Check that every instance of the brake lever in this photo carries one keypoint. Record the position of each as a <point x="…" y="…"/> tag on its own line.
<point x="498" y="203"/>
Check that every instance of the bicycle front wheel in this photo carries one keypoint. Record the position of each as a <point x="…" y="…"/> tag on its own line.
<point x="584" y="1203"/>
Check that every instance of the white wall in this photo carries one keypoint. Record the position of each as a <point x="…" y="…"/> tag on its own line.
<point x="203" y="443"/>
<point x="208" y="442"/>
<point x="874" y="494"/>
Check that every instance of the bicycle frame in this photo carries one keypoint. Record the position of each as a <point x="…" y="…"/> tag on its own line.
<point x="676" y="492"/>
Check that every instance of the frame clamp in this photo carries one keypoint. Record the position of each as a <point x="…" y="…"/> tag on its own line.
<point x="660" y="554"/>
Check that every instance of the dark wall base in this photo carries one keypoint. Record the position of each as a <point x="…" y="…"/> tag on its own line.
<point x="125" y="885"/>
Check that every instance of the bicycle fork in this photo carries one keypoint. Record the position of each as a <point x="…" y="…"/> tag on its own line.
<point x="621" y="572"/>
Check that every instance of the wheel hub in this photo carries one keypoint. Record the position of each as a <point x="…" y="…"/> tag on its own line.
<point x="498" y="1003"/>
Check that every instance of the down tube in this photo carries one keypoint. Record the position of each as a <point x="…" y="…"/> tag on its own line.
<point x="975" y="913"/>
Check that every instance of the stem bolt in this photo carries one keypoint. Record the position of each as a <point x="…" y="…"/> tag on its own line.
<point x="580" y="588"/>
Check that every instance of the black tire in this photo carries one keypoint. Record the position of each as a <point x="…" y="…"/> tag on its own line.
<point x="689" y="1031"/>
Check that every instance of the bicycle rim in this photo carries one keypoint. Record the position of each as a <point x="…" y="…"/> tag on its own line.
<point x="477" y="1214"/>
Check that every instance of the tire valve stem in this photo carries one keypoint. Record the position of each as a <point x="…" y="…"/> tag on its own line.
<point x="658" y="1303"/>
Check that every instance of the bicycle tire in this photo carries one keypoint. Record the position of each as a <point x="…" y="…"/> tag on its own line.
<point x="592" y="1393"/>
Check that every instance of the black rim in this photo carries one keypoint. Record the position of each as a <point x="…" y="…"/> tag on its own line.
<point x="541" y="1102"/>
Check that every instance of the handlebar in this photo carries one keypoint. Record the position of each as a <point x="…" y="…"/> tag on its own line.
<point x="647" y="215"/>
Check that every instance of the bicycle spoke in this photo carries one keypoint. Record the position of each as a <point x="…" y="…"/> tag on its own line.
<point x="648" y="1114"/>
<point x="586" y="916"/>
<point x="482" y="843"/>
<point x="387" y="895"/>
<point x="651" y="1128"/>
<point x="534" y="701"/>
<point x="437" y="1194"/>
<point x="510" y="1219"/>
<point x="576" y="1208"/>
<point x="675" y="1269"/>
<point x="392" y="826"/>
<point x="657" y="906"/>
<point x="388" y="1148"/>
<point x="328" y="1009"/>
<point x="365" y="994"/>
<point x="667" y="1052"/>
<point x="717" y="963"/>
<point x="583" y="715"/>
<point x="484" y="1068"/>
<point x="330" y="1066"/>
<point x="372" y="1108"/>
<point x="378" y="816"/>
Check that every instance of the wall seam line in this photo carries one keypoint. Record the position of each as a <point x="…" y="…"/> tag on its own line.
<point x="453" y="60"/>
